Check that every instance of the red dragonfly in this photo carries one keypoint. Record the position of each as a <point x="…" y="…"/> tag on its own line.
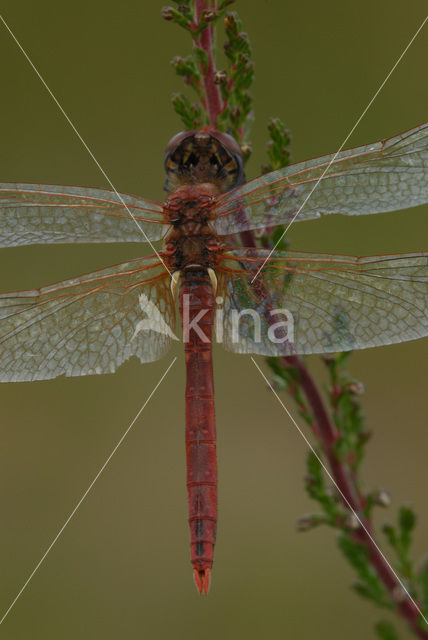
<point x="271" y="303"/>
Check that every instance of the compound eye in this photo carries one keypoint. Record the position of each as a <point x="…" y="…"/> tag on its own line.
<point x="192" y="160"/>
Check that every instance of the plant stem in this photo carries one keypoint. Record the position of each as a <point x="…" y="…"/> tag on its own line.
<point x="212" y="102"/>
<point x="327" y="434"/>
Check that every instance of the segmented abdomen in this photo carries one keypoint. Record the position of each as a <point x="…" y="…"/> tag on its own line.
<point x="197" y="315"/>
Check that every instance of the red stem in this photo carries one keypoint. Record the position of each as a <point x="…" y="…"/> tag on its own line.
<point x="327" y="433"/>
<point x="213" y="103"/>
<point x="247" y="239"/>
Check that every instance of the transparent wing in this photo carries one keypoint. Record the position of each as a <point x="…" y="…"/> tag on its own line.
<point x="384" y="176"/>
<point x="44" y="214"/>
<point x="87" y="325"/>
<point x="321" y="303"/>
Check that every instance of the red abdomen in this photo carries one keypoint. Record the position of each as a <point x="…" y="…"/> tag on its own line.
<point x="197" y="317"/>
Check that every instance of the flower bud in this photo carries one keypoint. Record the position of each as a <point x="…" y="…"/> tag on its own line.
<point x="167" y="13"/>
<point x="246" y="149"/>
<point x="307" y="522"/>
<point x="382" y="498"/>
<point x="220" y="77"/>
<point x="351" y="521"/>
<point x="356" y="388"/>
<point x="399" y="594"/>
<point x="208" y="15"/>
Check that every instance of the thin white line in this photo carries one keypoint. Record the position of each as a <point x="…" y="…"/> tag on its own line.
<point x="343" y="144"/>
<point x="362" y="525"/>
<point x="81" y="140"/>
<point x="84" y="495"/>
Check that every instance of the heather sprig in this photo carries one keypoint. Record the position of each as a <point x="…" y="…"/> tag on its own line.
<point x="223" y="100"/>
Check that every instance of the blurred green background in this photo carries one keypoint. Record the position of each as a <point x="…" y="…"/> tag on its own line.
<point x="121" y="568"/>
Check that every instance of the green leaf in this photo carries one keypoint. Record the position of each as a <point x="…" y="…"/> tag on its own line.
<point x="238" y="42"/>
<point x="169" y="13"/>
<point x="232" y="24"/>
<point x="184" y="8"/>
<point x="202" y="57"/>
<point x="243" y="74"/>
<point x="400" y="539"/>
<point x="223" y="120"/>
<point x="386" y="631"/>
<point x="422" y="579"/>
<point x="310" y="521"/>
<point x="188" y="70"/>
<point x="224" y="3"/>
<point x="279" y="144"/>
<point x="369" y="593"/>
<point x="356" y="553"/>
<point x="370" y="585"/>
<point x="347" y="415"/>
<point x="316" y="489"/>
<point x="288" y="378"/>
<point x="190" y="114"/>
<point x="406" y="523"/>
<point x="185" y="66"/>
<point x="286" y="372"/>
<point x="391" y="535"/>
<point x="280" y="242"/>
<point x="341" y="449"/>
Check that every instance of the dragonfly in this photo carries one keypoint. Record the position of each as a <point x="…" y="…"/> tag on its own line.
<point x="256" y="301"/>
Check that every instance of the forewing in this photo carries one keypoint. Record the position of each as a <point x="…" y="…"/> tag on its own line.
<point x="87" y="325"/>
<point x="326" y="303"/>
<point x="45" y="214"/>
<point x="384" y="176"/>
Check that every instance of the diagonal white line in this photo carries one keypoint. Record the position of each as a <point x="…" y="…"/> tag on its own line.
<point x="84" y="495"/>
<point x="343" y="143"/>
<point x="362" y="525"/>
<point x="81" y="139"/>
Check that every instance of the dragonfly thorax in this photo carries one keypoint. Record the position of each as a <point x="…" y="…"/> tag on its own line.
<point x="191" y="239"/>
<point x="190" y="204"/>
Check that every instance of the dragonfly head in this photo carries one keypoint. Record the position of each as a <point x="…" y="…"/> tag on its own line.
<point x="208" y="155"/>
